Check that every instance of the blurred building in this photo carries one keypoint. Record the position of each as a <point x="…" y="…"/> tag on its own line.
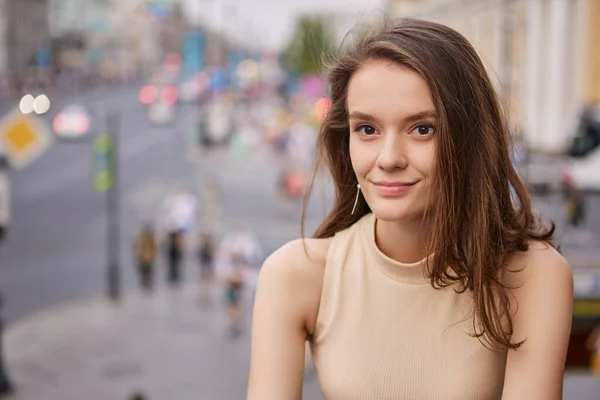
<point x="4" y="76"/>
<point x="24" y="42"/>
<point x="67" y="16"/>
<point x="115" y="39"/>
<point x="540" y="53"/>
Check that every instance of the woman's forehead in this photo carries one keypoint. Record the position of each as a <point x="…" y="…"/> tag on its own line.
<point x="388" y="90"/>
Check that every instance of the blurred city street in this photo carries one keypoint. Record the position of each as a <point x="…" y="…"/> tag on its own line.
<point x="55" y="194"/>
<point x="141" y="138"/>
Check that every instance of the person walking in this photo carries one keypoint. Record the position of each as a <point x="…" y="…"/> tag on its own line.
<point x="145" y="250"/>
<point x="206" y="259"/>
<point x="174" y="250"/>
<point x="234" y="284"/>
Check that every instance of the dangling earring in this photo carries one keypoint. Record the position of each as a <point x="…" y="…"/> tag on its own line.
<point x="356" y="200"/>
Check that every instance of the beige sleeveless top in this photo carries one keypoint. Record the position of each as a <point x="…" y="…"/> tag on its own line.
<point x="383" y="332"/>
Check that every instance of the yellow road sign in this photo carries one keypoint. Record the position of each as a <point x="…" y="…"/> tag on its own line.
<point x="23" y="138"/>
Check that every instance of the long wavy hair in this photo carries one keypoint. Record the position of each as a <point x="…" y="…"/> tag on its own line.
<point x="476" y="222"/>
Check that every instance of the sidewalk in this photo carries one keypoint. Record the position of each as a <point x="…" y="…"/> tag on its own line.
<point x="580" y="246"/>
<point x="167" y="344"/>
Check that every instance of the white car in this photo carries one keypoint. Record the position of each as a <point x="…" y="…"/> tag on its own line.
<point x="73" y="121"/>
<point x="216" y="121"/>
<point x="584" y="173"/>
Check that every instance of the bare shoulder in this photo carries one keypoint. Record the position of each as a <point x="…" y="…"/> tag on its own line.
<point x="540" y="264"/>
<point x="297" y="261"/>
<point x="294" y="273"/>
<point x="540" y="283"/>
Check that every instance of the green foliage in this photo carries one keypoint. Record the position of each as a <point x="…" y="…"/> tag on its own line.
<point x="310" y="42"/>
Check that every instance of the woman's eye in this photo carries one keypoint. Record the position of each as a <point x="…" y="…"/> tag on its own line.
<point x="424" y="130"/>
<point x="365" y="130"/>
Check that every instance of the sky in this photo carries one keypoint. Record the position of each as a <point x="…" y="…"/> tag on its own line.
<point x="270" y="22"/>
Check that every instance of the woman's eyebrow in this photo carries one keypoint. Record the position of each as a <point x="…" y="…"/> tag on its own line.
<point x="362" y="115"/>
<point x="411" y="118"/>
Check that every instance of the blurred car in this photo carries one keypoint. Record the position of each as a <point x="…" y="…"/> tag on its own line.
<point x="583" y="173"/>
<point x="160" y="98"/>
<point x="216" y="121"/>
<point x="587" y="137"/>
<point x="72" y="121"/>
<point x="582" y="170"/>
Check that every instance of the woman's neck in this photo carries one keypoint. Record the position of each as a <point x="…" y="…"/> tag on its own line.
<point x="404" y="241"/>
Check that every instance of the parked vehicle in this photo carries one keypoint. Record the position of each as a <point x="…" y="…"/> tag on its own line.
<point x="587" y="137"/>
<point x="583" y="167"/>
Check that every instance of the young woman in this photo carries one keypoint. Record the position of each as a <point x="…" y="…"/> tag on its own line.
<point x="426" y="280"/>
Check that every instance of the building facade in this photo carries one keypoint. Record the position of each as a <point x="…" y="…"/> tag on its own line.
<point x="24" y="43"/>
<point x="541" y="54"/>
<point x="115" y="39"/>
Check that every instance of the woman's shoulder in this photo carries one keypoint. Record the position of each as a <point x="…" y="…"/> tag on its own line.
<point x="539" y="260"/>
<point x="540" y="286"/>
<point x="295" y="272"/>
<point x="298" y="261"/>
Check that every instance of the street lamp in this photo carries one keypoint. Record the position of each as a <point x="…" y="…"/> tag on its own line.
<point x="106" y="179"/>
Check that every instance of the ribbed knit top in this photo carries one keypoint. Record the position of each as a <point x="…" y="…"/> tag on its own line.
<point x="383" y="332"/>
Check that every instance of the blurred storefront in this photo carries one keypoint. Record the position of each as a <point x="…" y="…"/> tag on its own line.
<point x="540" y="53"/>
<point x="121" y="39"/>
<point x="24" y="44"/>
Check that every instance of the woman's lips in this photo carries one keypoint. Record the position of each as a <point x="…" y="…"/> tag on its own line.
<point x="393" y="189"/>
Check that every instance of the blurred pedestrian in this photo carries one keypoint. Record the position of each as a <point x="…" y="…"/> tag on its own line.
<point x="574" y="203"/>
<point x="206" y="258"/>
<point x="174" y="248"/>
<point x="145" y="250"/>
<point x="234" y="283"/>
<point x="179" y="210"/>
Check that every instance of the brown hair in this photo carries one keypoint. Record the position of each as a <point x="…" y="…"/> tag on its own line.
<point x="476" y="224"/>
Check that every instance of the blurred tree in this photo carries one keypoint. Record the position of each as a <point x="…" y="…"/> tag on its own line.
<point x="310" y="42"/>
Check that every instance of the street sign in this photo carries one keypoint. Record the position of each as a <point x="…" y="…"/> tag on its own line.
<point x="23" y="138"/>
<point x="104" y="163"/>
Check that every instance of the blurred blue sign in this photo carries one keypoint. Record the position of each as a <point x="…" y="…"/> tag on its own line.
<point x="193" y="51"/>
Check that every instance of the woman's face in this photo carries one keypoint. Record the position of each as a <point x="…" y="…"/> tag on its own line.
<point x="392" y="138"/>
